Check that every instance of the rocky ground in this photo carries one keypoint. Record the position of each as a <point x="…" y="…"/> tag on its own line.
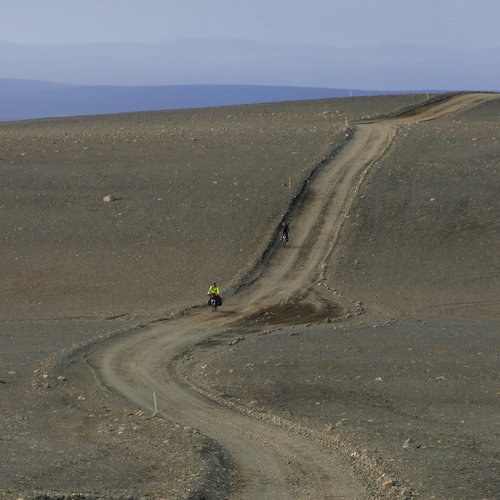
<point x="412" y="384"/>
<point x="416" y="398"/>
<point x="195" y="196"/>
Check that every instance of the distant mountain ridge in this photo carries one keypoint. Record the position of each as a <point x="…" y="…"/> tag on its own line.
<point x="237" y="61"/>
<point x="26" y="99"/>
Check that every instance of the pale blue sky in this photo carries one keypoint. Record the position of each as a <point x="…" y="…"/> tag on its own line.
<point x="368" y="44"/>
<point x="441" y="23"/>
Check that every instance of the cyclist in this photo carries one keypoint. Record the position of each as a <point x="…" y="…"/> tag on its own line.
<point x="284" y="230"/>
<point x="214" y="290"/>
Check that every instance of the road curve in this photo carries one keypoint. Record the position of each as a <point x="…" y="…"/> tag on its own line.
<point x="273" y="462"/>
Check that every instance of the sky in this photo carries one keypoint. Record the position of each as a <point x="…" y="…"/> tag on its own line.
<point x="442" y="23"/>
<point x="369" y="44"/>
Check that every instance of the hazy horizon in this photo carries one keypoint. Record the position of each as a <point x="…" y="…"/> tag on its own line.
<point x="389" y="67"/>
<point x="386" y="45"/>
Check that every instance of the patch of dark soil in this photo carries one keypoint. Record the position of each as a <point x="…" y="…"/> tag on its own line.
<point x="294" y="313"/>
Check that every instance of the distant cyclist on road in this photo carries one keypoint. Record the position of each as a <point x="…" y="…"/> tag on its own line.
<point x="284" y="230"/>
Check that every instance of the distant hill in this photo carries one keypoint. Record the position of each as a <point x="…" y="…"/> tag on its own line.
<point x="241" y="62"/>
<point x="26" y="99"/>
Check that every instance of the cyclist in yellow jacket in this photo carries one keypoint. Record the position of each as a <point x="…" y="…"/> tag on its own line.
<point x="215" y="290"/>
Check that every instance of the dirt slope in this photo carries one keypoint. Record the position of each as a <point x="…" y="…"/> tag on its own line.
<point x="75" y="268"/>
<point x="137" y="366"/>
<point x="425" y="230"/>
<point x="113" y="430"/>
<point x="198" y="193"/>
<point x="411" y="391"/>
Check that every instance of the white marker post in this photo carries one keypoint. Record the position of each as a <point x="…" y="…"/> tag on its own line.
<point x="156" y="404"/>
<point x="346" y="124"/>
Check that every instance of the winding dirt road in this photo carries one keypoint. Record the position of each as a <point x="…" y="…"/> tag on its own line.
<point x="272" y="461"/>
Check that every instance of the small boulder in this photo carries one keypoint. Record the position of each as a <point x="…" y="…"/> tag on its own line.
<point x="411" y="443"/>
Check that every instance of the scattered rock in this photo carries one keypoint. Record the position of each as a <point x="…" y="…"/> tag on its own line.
<point x="411" y="443"/>
<point x="388" y="484"/>
<point x="406" y="494"/>
<point x="235" y="341"/>
<point x="109" y="198"/>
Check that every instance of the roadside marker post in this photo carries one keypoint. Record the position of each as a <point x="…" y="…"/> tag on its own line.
<point x="156" y="404"/>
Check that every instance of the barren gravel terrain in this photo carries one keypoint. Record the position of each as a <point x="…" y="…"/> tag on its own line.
<point x="362" y="361"/>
